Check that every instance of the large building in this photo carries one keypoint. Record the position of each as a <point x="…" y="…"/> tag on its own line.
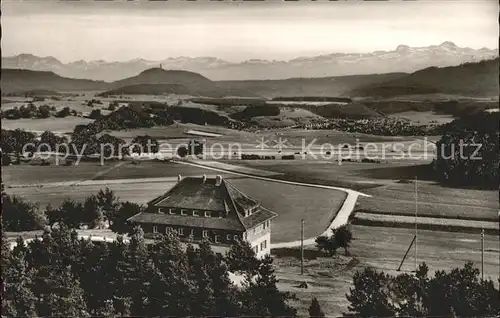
<point x="210" y="208"/>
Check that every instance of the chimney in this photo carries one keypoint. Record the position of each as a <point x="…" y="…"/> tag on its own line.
<point x="204" y="178"/>
<point x="179" y="178"/>
<point x="218" y="180"/>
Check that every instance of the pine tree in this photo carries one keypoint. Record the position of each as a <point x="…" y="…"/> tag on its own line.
<point x="62" y="294"/>
<point x="262" y="297"/>
<point x="171" y="290"/>
<point x="17" y="297"/>
<point x="315" y="309"/>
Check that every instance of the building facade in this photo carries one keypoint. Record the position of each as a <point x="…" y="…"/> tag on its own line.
<point x="211" y="208"/>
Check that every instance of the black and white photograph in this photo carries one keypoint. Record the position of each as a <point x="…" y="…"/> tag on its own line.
<point x="250" y="158"/>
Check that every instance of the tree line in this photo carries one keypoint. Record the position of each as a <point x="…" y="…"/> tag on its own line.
<point x="32" y="111"/>
<point x="457" y="293"/>
<point x="96" y="211"/>
<point x="82" y="142"/>
<point x="62" y="275"/>
<point x="468" y="151"/>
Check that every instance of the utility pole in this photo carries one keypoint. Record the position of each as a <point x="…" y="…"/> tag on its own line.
<point x="482" y="253"/>
<point x="302" y="247"/>
<point x="416" y="226"/>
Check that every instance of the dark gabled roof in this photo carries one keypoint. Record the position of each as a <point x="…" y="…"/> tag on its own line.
<point x="241" y="200"/>
<point x="186" y="220"/>
<point x="261" y="215"/>
<point x="194" y="193"/>
<point x="204" y="194"/>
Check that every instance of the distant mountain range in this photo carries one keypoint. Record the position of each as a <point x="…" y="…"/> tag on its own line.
<point x="402" y="59"/>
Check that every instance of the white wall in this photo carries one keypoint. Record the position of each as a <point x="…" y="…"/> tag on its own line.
<point x="256" y="241"/>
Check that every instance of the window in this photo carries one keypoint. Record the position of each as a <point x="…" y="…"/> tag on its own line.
<point x="207" y="214"/>
<point x="180" y="231"/>
<point x="160" y="210"/>
<point x="228" y="237"/>
<point x="256" y="249"/>
<point x="195" y="213"/>
<point x="183" y="212"/>
<point x="205" y="233"/>
<point x="171" y="211"/>
<point x="235" y="237"/>
<point x="263" y="245"/>
<point x="155" y="229"/>
<point x="217" y="239"/>
<point x="264" y="225"/>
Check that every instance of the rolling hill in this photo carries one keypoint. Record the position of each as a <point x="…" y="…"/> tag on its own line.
<point x="323" y="86"/>
<point x="157" y="81"/>
<point x="479" y="79"/>
<point x="14" y="80"/>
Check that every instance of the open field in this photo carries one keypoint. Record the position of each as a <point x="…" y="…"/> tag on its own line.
<point x="434" y="200"/>
<point x="65" y="125"/>
<point x="316" y="206"/>
<point x="381" y="248"/>
<point x="355" y="175"/>
<point x="151" y="169"/>
<point x="35" y="174"/>
<point x="427" y="223"/>
<point x="389" y="195"/>
<point x="423" y="118"/>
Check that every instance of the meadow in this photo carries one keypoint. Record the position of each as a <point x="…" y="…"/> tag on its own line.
<point x="381" y="248"/>
<point x="433" y="200"/>
<point x="292" y="203"/>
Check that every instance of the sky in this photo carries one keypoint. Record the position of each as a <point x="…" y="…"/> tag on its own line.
<point x="235" y="30"/>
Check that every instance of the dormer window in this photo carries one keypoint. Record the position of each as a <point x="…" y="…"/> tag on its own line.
<point x="195" y="213"/>
<point x="171" y="211"/>
<point x="183" y="212"/>
<point x="208" y="214"/>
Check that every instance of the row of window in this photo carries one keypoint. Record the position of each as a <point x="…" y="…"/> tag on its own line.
<point x="264" y="225"/>
<point x="263" y="246"/>
<point x="207" y="214"/>
<point x="204" y="233"/>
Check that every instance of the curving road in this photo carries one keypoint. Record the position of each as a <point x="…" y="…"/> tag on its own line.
<point x="340" y="218"/>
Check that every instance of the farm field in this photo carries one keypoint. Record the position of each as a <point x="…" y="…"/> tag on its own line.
<point x="423" y="118"/>
<point x="383" y="249"/>
<point x="316" y="206"/>
<point x="65" y="125"/>
<point x="355" y="175"/>
<point x="427" y="223"/>
<point x="152" y="169"/>
<point x="389" y="194"/>
<point x="434" y="200"/>
<point x="27" y="174"/>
